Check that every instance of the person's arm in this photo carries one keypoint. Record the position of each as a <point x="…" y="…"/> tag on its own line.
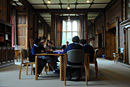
<point x="66" y="49"/>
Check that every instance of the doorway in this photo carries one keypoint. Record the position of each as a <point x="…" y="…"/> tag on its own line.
<point x="110" y="43"/>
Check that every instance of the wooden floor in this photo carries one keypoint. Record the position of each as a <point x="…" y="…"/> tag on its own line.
<point x="110" y="75"/>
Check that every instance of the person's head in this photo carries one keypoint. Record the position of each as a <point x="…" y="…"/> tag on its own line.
<point x="75" y="39"/>
<point x="67" y="42"/>
<point x="63" y="47"/>
<point x="83" y="41"/>
<point x="50" y="43"/>
<point x="43" y="39"/>
<point x="36" y="41"/>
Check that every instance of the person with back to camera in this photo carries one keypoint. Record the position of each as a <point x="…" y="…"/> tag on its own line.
<point x="74" y="45"/>
<point x="88" y="49"/>
<point x="34" y="50"/>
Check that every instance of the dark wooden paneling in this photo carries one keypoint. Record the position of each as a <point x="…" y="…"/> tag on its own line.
<point x="5" y="10"/>
<point x="99" y="23"/>
<point x="113" y="12"/>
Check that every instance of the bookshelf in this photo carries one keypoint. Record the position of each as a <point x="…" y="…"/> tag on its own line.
<point x="5" y="34"/>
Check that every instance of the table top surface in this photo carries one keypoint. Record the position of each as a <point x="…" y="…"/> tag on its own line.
<point x="45" y="54"/>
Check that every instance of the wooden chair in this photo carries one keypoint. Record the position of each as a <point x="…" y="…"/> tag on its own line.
<point x="75" y="56"/>
<point x="45" y="68"/>
<point x="23" y="55"/>
<point x="95" y="63"/>
<point x="17" y="54"/>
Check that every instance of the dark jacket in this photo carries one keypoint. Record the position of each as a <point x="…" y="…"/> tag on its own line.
<point x="70" y="47"/>
<point x="89" y="49"/>
<point x="41" y="47"/>
<point x="34" y="50"/>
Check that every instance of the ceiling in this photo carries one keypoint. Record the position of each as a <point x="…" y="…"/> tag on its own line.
<point x="62" y="5"/>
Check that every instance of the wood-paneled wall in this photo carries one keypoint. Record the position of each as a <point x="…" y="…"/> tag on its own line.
<point x="106" y="21"/>
<point x="3" y="10"/>
<point x="27" y="30"/>
<point x="111" y="14"/>
<point x="99" y="23"/>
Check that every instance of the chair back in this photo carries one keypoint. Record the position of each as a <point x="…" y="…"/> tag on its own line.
<point x="24" y="54"/>
<point x="76" y="56"/>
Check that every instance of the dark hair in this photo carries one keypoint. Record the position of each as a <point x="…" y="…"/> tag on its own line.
<point x="83" y="41"/>
<point x="75" y="39"/>
<point x="43" y="37"/>
<point x="63" y="47"/>
<point x="50" y="42"/>
<point x="36" y="40"/>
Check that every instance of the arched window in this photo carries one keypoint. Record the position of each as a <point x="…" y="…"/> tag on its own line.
<point x="70" y="29"/>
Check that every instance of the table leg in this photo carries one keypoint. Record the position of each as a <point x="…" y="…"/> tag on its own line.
<point x="61" y="68"/>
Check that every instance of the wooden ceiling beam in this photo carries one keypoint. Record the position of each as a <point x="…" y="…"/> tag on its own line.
<point x="66" y="3"/>
<point x="60" y="4"/>
<point x="28" y="5"/>
<point x="59" y="11"/>
<point x="45" y="4"/>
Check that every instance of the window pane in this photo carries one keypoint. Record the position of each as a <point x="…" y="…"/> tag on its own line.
<point x="63" y="38"/>
<point x="69" y="30"/>
<point x="75" y="34"/>
<point x="69" y="26"/>
<point x="64" y="25"/>
<point x="69" y="37"/>
<point x="24" y="19"/>
<point x="74" y="26"/>
<point x="20" y="19"/>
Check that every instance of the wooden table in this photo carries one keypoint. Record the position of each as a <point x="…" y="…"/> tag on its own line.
<point x="61" y="64"/>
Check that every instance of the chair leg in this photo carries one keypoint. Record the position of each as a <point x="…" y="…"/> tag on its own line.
<point x="26" y="69"/>
<point x="114" y="59"/>
<point x="86" y="74"/>
<point x="48" y="67"/>
<point x="88" y="71"/>
<point x="45" y="69"/>
<point x="41" y="73"/>
<point x="81" y="73"/>
<point x="20" y="71"/>
<point x="31" y="68"/>
<point x="65" y="75"/>
<point x="96" y="68"/>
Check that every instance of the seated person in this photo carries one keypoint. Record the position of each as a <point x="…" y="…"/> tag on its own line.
<point x="52" y="60"/>
<point x="74" y="45"/>
<point x="42" y="43"/>
<point x="34" y="50"/>
<point x="65" y="46"/>
<point x="88" y="49"/>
